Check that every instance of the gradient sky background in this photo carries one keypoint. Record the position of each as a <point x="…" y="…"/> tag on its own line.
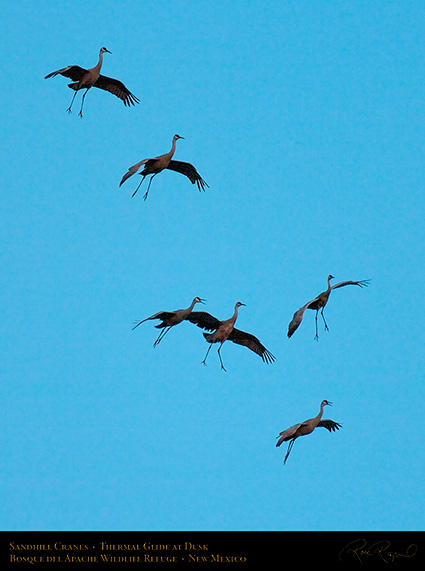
<point x="307" y="121"/>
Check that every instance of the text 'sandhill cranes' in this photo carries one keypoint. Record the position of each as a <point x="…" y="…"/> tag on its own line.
<point x="158" y="164"/>
<point x="320" y="302"/>
<point x="225" y="330"/>
<point x="170" y="318"/>
<point x="87" y="78"/>
<point x="306" y="427"/>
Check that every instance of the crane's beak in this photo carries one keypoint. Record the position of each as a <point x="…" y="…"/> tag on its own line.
<point x="329" y="403"/>
<point x="242" y="303"/>
<point x="202" y="300"/>
<point x="107" y="51"/>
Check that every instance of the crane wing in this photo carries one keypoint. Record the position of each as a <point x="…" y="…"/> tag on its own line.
<point x="361" y="283"/>
<point x="133" y="170"/>
<point x="188" y="170"/>
<point x="74" y="72"/>
<point x="117" y="88"/>
<point x="298" y="317"/>
<point x="330" y="425"/>
<point x="160" y="315"/>
<point x="250" y="341"/>
<point x="204" y="320"/>
<point x="288" y="434"/>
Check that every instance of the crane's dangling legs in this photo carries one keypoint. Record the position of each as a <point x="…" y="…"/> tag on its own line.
<point x="80" y="114"/>
<point x="149" y="185"/>
<point x="161" y="335"/>
<point x="205" y="358"/>
<point x="324" y="320"/>
<point x="140" y="184"/>
<point x="219" y="355"/>
<point x="289" y="450"/>
<point x="73" y="97"/>
<point x="316" y="337"/>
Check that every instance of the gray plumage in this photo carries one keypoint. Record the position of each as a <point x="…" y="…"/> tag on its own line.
<point x="87" y="78"/>
<point x="170" y="318"/>
<point x="320" y="302"/>
<point x="306" y="427"/>
<point x="225" y="330"/>
<point x="158" y="164"/>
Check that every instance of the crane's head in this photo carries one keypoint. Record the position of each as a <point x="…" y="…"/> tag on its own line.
<point x="103" y="50"/>
<point x="177" y="137"/>
<point x="238" y="304"/>
<point x="199" y="300"/>
<point x="326" y="402"/>
<point x="330" y="277"/>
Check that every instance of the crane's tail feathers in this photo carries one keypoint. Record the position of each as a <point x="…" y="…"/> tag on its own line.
<point x="208" y="337"/>
<point x="73" y="86"/>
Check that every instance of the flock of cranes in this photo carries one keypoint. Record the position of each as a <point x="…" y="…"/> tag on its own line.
<point x="218" y="331"/>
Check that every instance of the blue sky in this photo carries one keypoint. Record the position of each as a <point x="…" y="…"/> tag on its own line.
<point x="307" y="121"/>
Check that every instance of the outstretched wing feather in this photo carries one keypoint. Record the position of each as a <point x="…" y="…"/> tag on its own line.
<point x="250" y="341"/>
<point x="330" y="425"/>
<point x="360" y="283"/>
<point x="288" y="434"/>
<point x="188" y="170"/>
<point x="117" y="88"/>
<point x="298" y="317"/>
<point x="74" y="72"/>
<point x="204" y="320"/>
<point x="163" y="315"/>
<point x="132" y="170"/>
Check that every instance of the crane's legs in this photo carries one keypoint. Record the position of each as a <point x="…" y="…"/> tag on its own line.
<point x="161" y="335"/>
<point x="219" y="355"/>
<point x="140" y="184"/>
<point x="289" y="450"/>
<point x="324" y="320"/>
<point x="149" y="185"/>
<point x="205" y="358"/>
<point x="73" y="97"/>
<point x="80" y="114"/>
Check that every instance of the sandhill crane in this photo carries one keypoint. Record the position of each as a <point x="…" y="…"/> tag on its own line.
<point x="320" y="302"/>
<point x="306" y="427"/>
<point x="170" y="318"/>
<point x="158" y="164"/>
<point x="225" y="330"/>
<point x="87" y="78"/>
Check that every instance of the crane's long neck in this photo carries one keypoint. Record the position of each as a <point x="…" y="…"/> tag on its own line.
<point x="191" y="306"/>
<point x="100" y="62"/>
<point x="173" y="149"/>
<point x="235" y="315"/>
<point x="319" y="416"/>
<point x="329" y="285"/>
